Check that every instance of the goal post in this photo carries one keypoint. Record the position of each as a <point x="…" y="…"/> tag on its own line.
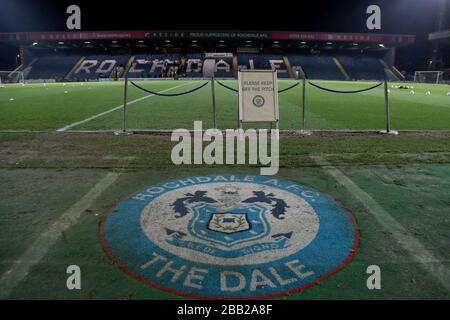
<point x="11" y="77"/>
<point x="428" y="77"/>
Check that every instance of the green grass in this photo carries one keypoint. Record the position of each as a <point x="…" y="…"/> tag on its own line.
<point x="53" y="106"/>
<point x="44" y="174"/>
<point x="70" y="151"/>
<point x="32" y="206"/>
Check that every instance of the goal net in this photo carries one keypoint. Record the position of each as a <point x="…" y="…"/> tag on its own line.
<point x="428" y="76"/>
<point x="11" y="77"/>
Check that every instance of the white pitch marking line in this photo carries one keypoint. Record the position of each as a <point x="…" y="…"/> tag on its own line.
<point x="417" y="251"/>
<point x="117" y="108"/>
<point x="21" y="267"/>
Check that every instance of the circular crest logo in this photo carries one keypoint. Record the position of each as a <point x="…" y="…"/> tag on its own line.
<point x="258" y="101"/>
<point x="230" y="236"/>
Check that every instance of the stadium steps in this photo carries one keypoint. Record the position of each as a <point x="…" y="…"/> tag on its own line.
<point x="397" y="74"/>
<point x="74" y="68"/>
<point x="130" y="61"/>
<point x="19" y="68"/>
<point x="128" y="66"/>
<point x="235" y="66"/>
<point x="288" y="66"/>
<point x="301" y="73"/>
<point x="30" y="64"/>
<point x="341" y="68"/>
<point x="26" y="70"/>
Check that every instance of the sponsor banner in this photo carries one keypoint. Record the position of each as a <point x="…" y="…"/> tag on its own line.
<point x="73" y="35"/>
<point x="229" y="236"/>
<point x="258" y="96"/>
<point x="218" y="55"/>
<point x="345" y="37"/>
<point x="222" y="35"/>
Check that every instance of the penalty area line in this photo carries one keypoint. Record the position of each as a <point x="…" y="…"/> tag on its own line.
<point x="405" y="239"/>
<point x="70" y="126"/>
<point x="36" y="252"/>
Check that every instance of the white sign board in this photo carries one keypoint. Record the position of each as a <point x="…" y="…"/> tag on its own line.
<point x="218" y="55"/>
<point x="258" y="96"/>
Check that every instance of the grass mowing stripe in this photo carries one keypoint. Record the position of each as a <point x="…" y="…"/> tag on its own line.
<point x="70" y="126"/>
<point x="51" y="107"/>
<point x="20" y="268"/>
<point x="417" y="251"/>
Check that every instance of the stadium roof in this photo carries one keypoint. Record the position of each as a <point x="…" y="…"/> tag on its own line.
<point x="391" y="40"/>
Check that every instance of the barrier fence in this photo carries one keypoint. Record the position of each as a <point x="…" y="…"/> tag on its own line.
<point x="303" y="98"/>
<point x="342" y="91"/>
<point x="386" y="100"/>
<point x="168" y="94"/>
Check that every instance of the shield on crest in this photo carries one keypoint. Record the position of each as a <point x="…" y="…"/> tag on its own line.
<point x="229" y="228"/>
<point x="229" y="222"/>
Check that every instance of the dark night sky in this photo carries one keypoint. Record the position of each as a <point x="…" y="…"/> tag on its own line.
<point x="416" y="17"/>
<point x="399" y="16"/>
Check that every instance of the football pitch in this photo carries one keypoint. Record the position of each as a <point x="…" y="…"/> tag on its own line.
<point x="58" y="186"/>
<point x="97" y="106"/>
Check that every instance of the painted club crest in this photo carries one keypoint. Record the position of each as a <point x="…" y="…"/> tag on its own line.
<point x="230" y="236"/>
<point x="224" y="223"/>
<point x="229" y="228"/>
<point x="258" y="101"/>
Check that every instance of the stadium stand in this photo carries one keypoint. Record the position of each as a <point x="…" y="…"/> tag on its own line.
<point x="151" y="65"/>
<point x="362" y="67"/>
<point x="264" y="61"/>
<point x="92" y="56"/>
<point x="317" y="66"/>
<point x="223" y="67"/>
<point x="189" y="65"/>
<point x="194" y="65"/>
<point x="52" y="67"/>
<point x="95" y="67"/>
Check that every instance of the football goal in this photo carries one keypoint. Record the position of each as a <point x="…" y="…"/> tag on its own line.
<point x="11" y="77"/>
<point x="428" y="77"/>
